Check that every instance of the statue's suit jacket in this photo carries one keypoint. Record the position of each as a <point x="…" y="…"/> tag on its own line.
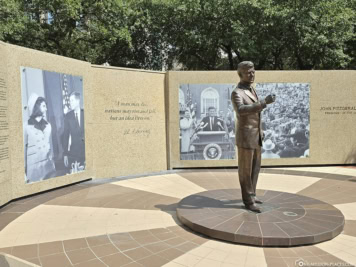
<point x="248" y="109"/>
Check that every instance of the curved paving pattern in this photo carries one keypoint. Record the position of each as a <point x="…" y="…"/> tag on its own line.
<point x="133" y="222"/>
<point x="286" y="219"/>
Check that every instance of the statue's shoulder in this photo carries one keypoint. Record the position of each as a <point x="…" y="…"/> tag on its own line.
<point x="237" y="88"/>
<point x="234" y="88"/>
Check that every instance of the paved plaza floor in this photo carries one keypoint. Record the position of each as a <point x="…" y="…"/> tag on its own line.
<point x="132" y="221"/>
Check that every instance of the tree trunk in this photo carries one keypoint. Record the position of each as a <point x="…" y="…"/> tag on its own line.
<point x="231" y="58"/>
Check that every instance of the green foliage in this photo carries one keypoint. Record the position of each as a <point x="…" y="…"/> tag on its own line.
<point x="317" y="33"/>
<point x="275" y="34"/>
<point x="12" y="20"/>
<point x="193" y="34"/>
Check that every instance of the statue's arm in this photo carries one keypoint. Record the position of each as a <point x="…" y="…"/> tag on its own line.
<point x="247" y="108"/>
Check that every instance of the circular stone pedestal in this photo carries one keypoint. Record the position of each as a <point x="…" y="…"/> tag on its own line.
<point x="286" y="219"/>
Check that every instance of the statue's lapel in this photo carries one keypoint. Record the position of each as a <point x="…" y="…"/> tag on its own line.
<point x="250" y="95"/>
<point x="254" y="90"/>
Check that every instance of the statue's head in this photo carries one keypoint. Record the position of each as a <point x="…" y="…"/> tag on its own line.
<point x="246" y="71"/>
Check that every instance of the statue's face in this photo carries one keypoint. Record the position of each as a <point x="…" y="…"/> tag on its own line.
<point x="247" y="75"/>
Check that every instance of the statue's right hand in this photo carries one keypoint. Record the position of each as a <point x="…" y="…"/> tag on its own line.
<point x="66" y="161"/>
<point x="270" y="99"/>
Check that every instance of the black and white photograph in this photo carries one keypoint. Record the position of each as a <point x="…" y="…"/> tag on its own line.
<point x="286" y="123"/>
<point x="53" y="124"/>
<point x="206" y="122"/>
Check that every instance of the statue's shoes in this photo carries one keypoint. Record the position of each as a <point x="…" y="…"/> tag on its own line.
<point x="257" y="200"/>
<point x="253" y="207"/>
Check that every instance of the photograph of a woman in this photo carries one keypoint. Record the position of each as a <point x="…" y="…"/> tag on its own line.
<point x="38" y="155"/>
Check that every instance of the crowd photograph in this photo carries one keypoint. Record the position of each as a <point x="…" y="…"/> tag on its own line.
<point x="286" y="123"/>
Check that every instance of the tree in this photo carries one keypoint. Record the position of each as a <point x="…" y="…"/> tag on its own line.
<point x="12" y="20"/>
<point x="350" y="49"/>
<point x="148" y="47"/>
<point x="80" y="29"/>
<point x="317" y="32"/>
<point x="196" y="34"/>
<point x="275" y="34"/>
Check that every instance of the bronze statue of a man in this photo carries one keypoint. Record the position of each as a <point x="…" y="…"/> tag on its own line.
<point x="249" y="132"/>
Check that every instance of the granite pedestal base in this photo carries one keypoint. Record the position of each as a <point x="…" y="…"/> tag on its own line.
<point x="286" y="219"/>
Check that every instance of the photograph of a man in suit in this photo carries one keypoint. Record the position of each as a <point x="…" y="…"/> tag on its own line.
<point x="249" y="132"/>
<point x="73" y="135"/>
<point x="212" y="122"/>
